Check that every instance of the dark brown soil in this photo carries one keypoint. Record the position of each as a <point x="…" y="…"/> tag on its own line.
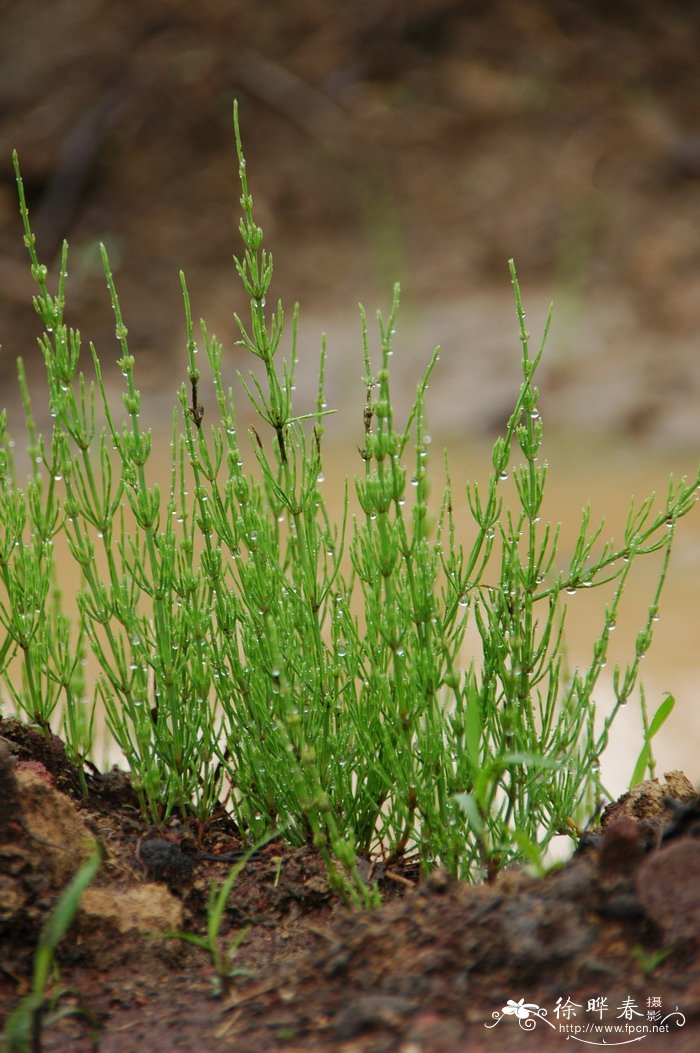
<point x="425" y="973"/>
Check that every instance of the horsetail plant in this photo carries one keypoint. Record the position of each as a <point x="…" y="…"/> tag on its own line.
<point x="313" y="674"/>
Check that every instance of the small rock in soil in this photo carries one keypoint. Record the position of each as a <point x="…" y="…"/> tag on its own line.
<point x="647" y="801"/>
<point x="370" y="1011"/>
<point x="622" y="847"/>
<point x="165" y="863"/>
<point x="117" y="925"/>
<point x="685" y="819"/>
<point x="669" y="890"/>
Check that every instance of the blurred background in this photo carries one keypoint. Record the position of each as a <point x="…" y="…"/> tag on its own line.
<point x="419" y="141"/>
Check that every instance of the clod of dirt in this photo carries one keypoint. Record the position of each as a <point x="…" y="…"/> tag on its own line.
<point x="43" y="842"/>
<point x="685" y="820"/>
<point x="647" y="802"/>
<point x="370" y="1011"/>
<point x="165" y="862"/>
<point x="32" y="751"/>
<point x="669" y="890"/>
<point x="56" y="840"/>
<point x="622" y="846"/>
<point x="114" y="924"/>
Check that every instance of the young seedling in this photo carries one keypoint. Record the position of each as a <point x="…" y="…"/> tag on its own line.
<point x="222" y="957"/>
<point x="645" y="760"/>
<point x="649" y="961"/>
<point x="41" y="1007"/>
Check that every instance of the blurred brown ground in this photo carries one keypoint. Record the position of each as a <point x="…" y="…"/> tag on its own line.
<point x="386" y="139"/>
